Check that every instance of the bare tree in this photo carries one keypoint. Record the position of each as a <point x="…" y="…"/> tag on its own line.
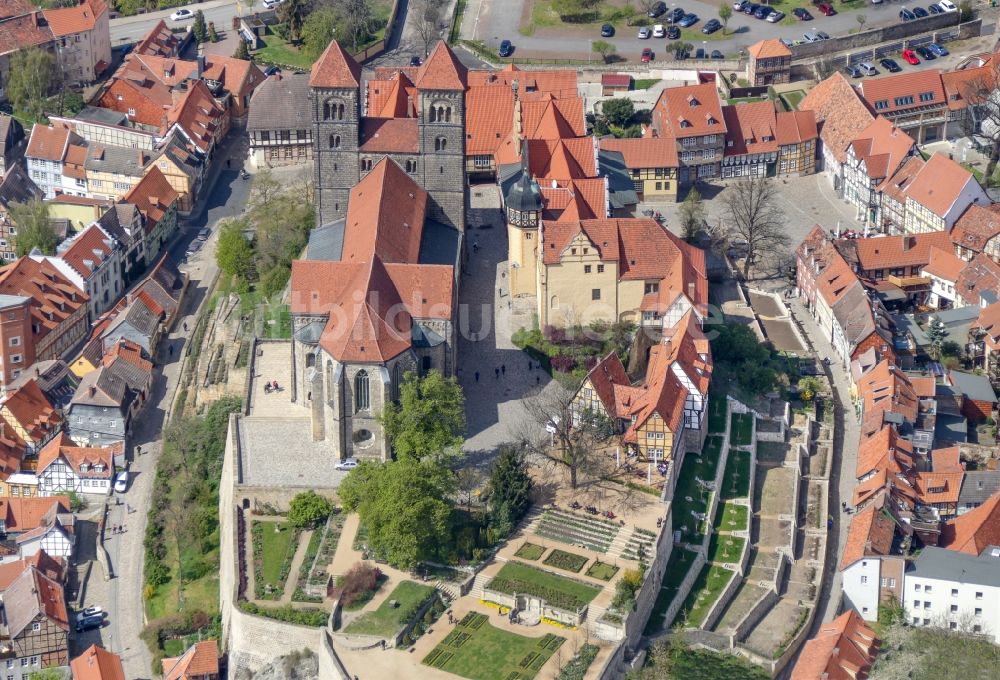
<point x="430" y="12"/>
<point x="569" y="441"/>
<point x="982" y="112"/>
<point x="753" y="215"/>
<point x="468" y="480"/>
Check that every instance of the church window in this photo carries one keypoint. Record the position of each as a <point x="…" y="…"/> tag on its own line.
<point x="397" y="381"/>
<point x="310" y="360"/>
<point x="334" y="141"/>
<point x="440" y="143"/>
<point x="362" y="399"/>
<point x="447" y="114"/>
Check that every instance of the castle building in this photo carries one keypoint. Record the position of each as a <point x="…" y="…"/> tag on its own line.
<point x="424" y="134"/>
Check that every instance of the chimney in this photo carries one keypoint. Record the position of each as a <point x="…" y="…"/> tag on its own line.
<point x="93" y="390"/>
<point x="691" y="290"/>
<point x="201" y="60"/>
<point x="38" y="372"/>
<point x="908" y="242"/>
<point x="142" y="159"/>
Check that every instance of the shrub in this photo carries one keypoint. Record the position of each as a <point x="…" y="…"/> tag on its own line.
<point x="359" y="584"/>
<point x="626" y="589"/>
<point x="300" y="617"/>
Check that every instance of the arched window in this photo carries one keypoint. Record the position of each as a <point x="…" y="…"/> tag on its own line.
<point x="440" y="143"/>
<point x="411" y="167"/>
<point x="334" y="141"/>
<point x="427" y="363"/>
<point x="362" y="400"/>
<point x="447" y="115"/>
<point x="329" y="379"/>
<point x="326" y="111"/>
<point x="397" y="381"/>
<point x="340" y="112"/>
<point x="310" y="359"/>
<point x="433" y="114"/>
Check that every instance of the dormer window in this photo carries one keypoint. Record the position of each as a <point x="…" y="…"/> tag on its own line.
<point x="692" y="101"/>
<point x="685" y="124"/>
<point x="710" y="119"/>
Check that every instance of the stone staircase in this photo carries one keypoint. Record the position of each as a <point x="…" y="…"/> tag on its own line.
<point x="531" y="520"/>
<point x="449" y="590"/>
<point x="479" y="584"/>
<point x="618" y="545"/>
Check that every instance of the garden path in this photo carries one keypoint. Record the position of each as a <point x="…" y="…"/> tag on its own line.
<point x="293" y="571"/>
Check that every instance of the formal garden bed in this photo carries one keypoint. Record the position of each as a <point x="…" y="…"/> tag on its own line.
<point x="731" y="517"/>
<point x="395" y="612"/>
<point x="602" y="570"/>
<point x="313" y="575"/>
<point x="725" y="549"/>
<point x="568" y="561"/>
<point x="716" y="413"/>
<point x="530" y="552"/>
<point x="692" y="497"/>
<point x="274" y="545"/>
<point x="578" y="666"/>
<point x="577" y="529"/>
<point x="478" y="651"/>
<point x="736" y="478"/>
<point x="557" y="591"/>
<point x="741" y="429"/>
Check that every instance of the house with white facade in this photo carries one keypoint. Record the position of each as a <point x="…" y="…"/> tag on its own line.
<point x="943" y="270"/>
<point x="63" y="466"/>
<point x="951" y="589"/>
<point x="871" y="159"/>
<point x="56" y="159"/>
<point x="938" y="195"/>
<point x="92" y="260"/>
<point x="872" y="568"/>
<point x="29" y="525"/>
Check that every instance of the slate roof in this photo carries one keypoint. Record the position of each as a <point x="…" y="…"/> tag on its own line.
<point x="972" y="386"/>
<point x="978" y="486"/>
<point x="281" y="102"/>
<point x="947" y="565"/>
<point x="17" y="187"/>
<point x="116" y="159"/>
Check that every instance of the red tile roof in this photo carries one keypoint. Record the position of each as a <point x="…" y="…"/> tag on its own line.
<point x="581" y="199"/>
<point x="902" y="91"/>
<point x="335" y="69"/>
<point x="24" y="514"/>
<point x="885" y="450"/>
<point x="389" y="135"/>
<point x="688" y="111"/>
<point x="239" y="76"/>
<point x="885" y="252"/>
<point x="63" y="447"/>
<point x="768" y="48"/>
<point x="750" y="128"/>
<point x="48" y="142"/>
<point x="562" y="159"/>
<point x="561" y="83"/>
<point x="385" y="216"/>
<point x="980" y="275"/>
<point x="844" y="649"/>
<point x="198" y="114"/>
<point x="153" y="196"/>
<point x="656" y="152"/>
<point x="938" y="488"/>
<point x="31" y="409"/>
<point x="968" y="86"/>
<point x="972" y="532"/>
<point x="200" y="659"/>
<point x="616" y="80"/>
<point x="395" y="98"/>
<point x="88" y="250"/>
<point x="976" y="226"/>
<point x="159" y="42"/>
<point x="940" y="183"/>
<point x="947" y="460"/>
<point x="54" y="297"/>
<point x="604" y="376"/>
<point x="882" y="148"/>
<point x="840" y="111"/>
<point x="442" y="70"/>
<point x="885" y="388"/>
<point x="97" y="663"/>
<point x="662" y="395"/>
<point x="895" y="186"/>
<point x="21" y="26"/>
<point x="944" y="264"/>
<point x="75" y="19"/>
<point x="795" y="127"/>
<point x="870" y="534"/>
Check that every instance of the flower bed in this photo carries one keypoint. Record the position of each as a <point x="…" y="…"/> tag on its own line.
<point x="274" y="547"/>
<point x="565" y="560"/>
<point x="530" y="552"/>
<point x="602" y="570"/>
<point x="322" y="547"/>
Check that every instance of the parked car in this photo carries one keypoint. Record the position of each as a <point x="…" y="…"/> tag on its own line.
<point x="811" y="37"/>
<point x="121" y="480"/>
<point x="910" y="57"/>
<point x="91" y="611"/>
<point x="926" y="52"/>
<point x="711" y="26"/>
<point x="947" y="6"/>
<point x="802" y="14"/>
<point x="740" y="5"/>
<point x="852" y="71"/>
<point x="868" y="68"/>
<point x="919" y="12"/>
<point x="890" y="65"/>
<point x="506" y="48"/>
<point x="415" y="60"/>
<point x="787" y="43"/>
<point x="607" y="30"/>
<point x="644" y="33"/>
<point x="673" y="33"/>
<point x="647" y="55"/>
<point x="204" y="233"/>
<point x="194" y="247"/>
<point x="680" y="55"/>
<point x="716" y="54"/>
<point x="272" y="70"/>
<point x="934" y="9"/>
<point x="826" y="9"/>
<point x="675" y="15"/>
<point x="938" y="50"/>
<point x="346" y="464"/>
<point x="271" y="4"/>
<point x="906" y="15"/>
<point x="699" y="53"/>
<point x="656" y="10"/>
<point x="775" y="17"/>
<point x="822" y="35"/>
<point x="763" y="12"/>
<point x="751" y="8"/>
<point x="688" y="21"/>
<point x="659" y="31"/>
<point x="181" y="15"/>
<point x="89" y="623"/>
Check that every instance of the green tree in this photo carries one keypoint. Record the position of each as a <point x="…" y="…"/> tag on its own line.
<point x="575" y="10"/>
<point x="308" y="509"/>
<point x="212" y="35"/>
<point x="233" y="253"/>
<point x="199" y="29"/>
<point x="965" y="10"/>
<point x="34" y="230"/>
<point x="725" y="14"/>
<point x="936" y="334"/>
<point x="862" y="20"/>
<point x="360" y="21"/>
<point x="618" y="111"/>
<point x="509" y="488"/>
<point x="405" y="507"/>
<point x="429" y="418"/>
<point x="603" y="48"/>
<point x="692" y="215"/>
<point x="31" y="76"/>
<point x="47" y="674"/>
<point x="293" y="13"/>
<point x="242" y="51"/>
<point x="321" y="26"/>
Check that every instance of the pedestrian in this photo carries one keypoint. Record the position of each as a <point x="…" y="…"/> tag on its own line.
<point x="170" y="350"/>
<point x="529" y="366"/>
<point x="503" y="368"/>
<point x="497" y="371"/>
<point x="138" y="449"/>
<point x="229" y="162"/>
<point x="538" y="379"/>
<point x="477" y="376"/>
<point x="185" y="326"/>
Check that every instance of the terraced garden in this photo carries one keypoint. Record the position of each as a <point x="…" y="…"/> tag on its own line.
<point x="691" y="498"/>
<point x="705" y="591"/>
<point x="640" y="545"/>
<point x="560" y="559"/>
<point x="677" y="568"/>
<point x="736" y="478"/>
<point x="731" y="517"/>
<point x="716" y="413"/>
<point x="557" y="591"/>
<point x="478" y="651"/>
<point x="579" y="530"/>
<point x="530" y="552"/>
<point x="387" y="619"/>
<point x="602" y="571"/>
<point x="741" y="429"/>
<point x="725" y="549"/>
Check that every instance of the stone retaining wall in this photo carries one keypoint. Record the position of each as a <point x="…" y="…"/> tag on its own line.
<point x="722" y="601"/>
<point x="852" y="41"/>
<point x="757" y="612"/>
<point x="684" y="589"/>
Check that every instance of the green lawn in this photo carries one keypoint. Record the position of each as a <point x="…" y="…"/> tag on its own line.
<point x="741" y="429"/>
<point x="644" y="83"/>
<point x="731" y="517"/>
<point x="725" y="549"/>
<point x="565" y="560"/>
<point x="677" y="568"/>
<point x="558" y="591"/>
<point x="530" y="552"/>
<point x="695" y="467"/>
<point x="716" y="413"/>
<point x="277" y="51"/>
<point x="478" y="651"/>
<point x="387" y="620"/>
<point x="602" y="570"/>
<point x="278" y="549"/>
<point x="736" y="478"/>
<point x="793" y="98"/>
<point x="704" y="593"/>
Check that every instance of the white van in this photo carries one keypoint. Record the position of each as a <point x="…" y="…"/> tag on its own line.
<point x="868" y="68"/>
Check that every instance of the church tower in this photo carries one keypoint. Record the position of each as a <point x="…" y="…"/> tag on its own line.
<point x="441" y="84"/>
<point x="335" y="84"/>
<point x="523" y="204"/>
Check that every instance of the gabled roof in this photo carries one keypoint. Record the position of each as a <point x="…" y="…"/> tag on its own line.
<point x="81" y="459"/>
<point x="335" y="69"/>
<point x="981" y="276"/>
<point x="153" y="196"/>
<point x="388" y="135"/>
<point x="940" y="183"/>
<point x="201" y="658"/>
<point x="97" y="663"/>
<point x="159" y="42"/>
<point x="976" y="226"/>
<point x="944" y="264"/>
<point x="21" y="515"/>
<point x="88" y="251"/>
<point x="77" y="18"/>
<point x="22" y="26"/>
<point x="162" y="289"/>
<point x="238" y="76"/>
<point x="442" y="70"/>
<point x="901" y="91"/>
<point x="947" y="460"/>
<point x="52" y="567"/>
<point x="769" y="48"/>
<point x="886" y="388"/>
<point x="840" y="111"/>
<point x="16" y="186"/>
<point x="641" y="153"/>
<point x="198" y="114"/>
<point x="604" y="377"/>
<point x="795" y="127"/>
<point x="31" y="409"/>
<point x="968" y="86"/>
<point x="30" y="595"/>
<point x="870" y="534"/>
<point x="54" y="297"/>
<point x="385" y="216"/>
<point x="886" y="252"/>
<point x="750" y="128"/>
<point x="938" y="488"/>
<point x="662" y="394"/>
<point x="972" y="532"/>
<point x="395" y="98"/>
<point x="844" y="649"/>
<point x="882" y="148"/>
<point x="280" y="102"/>
<point x="688" y="111"/>
<point x="885" y="450"/>
<point x="49" y="142"/>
